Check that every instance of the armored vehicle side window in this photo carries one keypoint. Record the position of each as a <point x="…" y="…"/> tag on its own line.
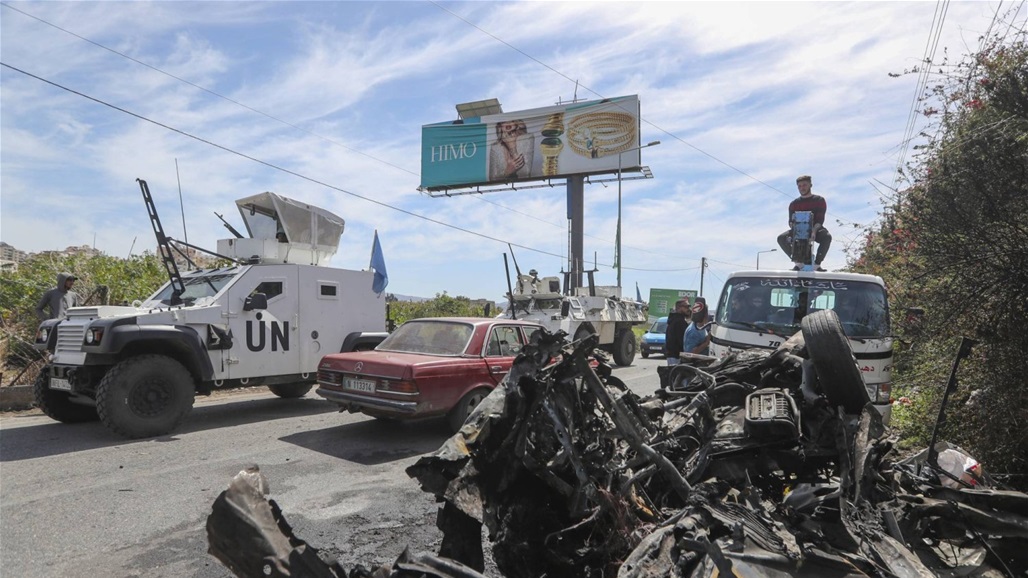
<point x="269" y="288"/>
<point x="328" y="290"/>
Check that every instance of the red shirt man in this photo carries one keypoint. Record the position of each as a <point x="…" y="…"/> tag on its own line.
<point x="816" y="204"/>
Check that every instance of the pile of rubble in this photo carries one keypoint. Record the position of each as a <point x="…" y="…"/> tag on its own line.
<point x="750" y="467"/>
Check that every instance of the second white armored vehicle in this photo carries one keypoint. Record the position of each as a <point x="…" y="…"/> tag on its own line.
<point x="593" y="309"/>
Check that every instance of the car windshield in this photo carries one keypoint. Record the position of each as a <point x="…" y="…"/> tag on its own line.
<point x="197" y="285"/>
<point x="659" y="327"/>
<point x="429" y="337"/>
<point x="777" y="305"/>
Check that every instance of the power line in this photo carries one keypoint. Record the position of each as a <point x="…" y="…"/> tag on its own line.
<point x="561" y="74"/>
<point x="287" y="123"/>
<point x="934" y="33"/>
<point x="276" y="167"/>
<point x="648" y="122"/>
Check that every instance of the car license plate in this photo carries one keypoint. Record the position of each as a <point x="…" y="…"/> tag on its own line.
<point x="367" y="385"/>
<point x="61" y="384"/>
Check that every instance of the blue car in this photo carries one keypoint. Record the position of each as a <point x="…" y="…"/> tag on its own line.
<point x="653" y="340"/>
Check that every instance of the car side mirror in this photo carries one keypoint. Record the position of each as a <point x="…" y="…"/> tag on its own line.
<point x="256" y="301"/>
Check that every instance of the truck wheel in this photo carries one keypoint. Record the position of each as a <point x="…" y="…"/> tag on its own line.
<point x="460" y="412"/>
<point x="837" y="370"/>
<point x="145" y="396"/>
<point x="624" y="348"/>
<point x="290" y="390"/>
<point x="58" y="405"/>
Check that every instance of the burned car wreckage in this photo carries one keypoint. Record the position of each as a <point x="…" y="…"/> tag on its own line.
<point x="753" y="466"/>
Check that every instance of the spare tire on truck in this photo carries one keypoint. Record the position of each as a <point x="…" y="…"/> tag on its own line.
<point x="837" y="370"/>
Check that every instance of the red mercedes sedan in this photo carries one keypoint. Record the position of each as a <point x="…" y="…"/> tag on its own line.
<point x="427" y="367"/>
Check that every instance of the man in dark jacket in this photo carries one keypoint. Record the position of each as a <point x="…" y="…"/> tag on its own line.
<point x="677" y="321"/>
<point x="58" y="299"/>
<point x="816" y="204"/>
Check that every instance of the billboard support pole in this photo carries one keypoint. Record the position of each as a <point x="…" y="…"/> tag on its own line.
<point x="576" y="214"/>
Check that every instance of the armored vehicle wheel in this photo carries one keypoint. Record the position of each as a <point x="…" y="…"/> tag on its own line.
<point x="145" y="396"/>
<point x="290" y="390"/>
<point x="837" y="370"/>
<point x="58" y="405"/>
<point x="624" y="347"/>
<point x="460" y="412"/>
<point x="583" y="331"/>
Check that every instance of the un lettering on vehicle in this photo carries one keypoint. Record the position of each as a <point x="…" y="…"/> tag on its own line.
<point x="258" y="340"/>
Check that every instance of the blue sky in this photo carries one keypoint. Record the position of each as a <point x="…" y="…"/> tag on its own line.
<point x="743" y="97"/>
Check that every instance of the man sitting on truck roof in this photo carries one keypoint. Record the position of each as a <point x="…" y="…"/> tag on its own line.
<point x="816" y="204"/>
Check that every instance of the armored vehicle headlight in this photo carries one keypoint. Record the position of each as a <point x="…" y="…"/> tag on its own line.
<point x="94" y="335"/>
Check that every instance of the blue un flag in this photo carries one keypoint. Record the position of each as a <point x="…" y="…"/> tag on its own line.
<point x="378" y="264"/>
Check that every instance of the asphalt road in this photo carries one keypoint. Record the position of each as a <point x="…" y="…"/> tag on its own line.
<point x="76" y="500"/>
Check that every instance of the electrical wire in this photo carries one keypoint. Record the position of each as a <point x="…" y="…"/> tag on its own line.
<point x="276" y="167"/>
<point x="295" y="126"/>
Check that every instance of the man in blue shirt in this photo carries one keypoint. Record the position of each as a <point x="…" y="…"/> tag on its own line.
<point x="697" y="338"/>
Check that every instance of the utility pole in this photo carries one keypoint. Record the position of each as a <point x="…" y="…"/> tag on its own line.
<point x="703" y="268"/>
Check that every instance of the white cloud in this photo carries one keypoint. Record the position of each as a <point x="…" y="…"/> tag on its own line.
<point x="740" y="94"/>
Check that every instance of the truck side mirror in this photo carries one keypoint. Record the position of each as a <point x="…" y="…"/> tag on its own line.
<point x="256" y="301"/>
<point x="565" y="308"/>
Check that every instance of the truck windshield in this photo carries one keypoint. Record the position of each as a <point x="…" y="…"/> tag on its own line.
<point x="198" y="285"/>
<point x="777" y="305"/>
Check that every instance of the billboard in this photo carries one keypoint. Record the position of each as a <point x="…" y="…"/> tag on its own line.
<point x="662" y="301"/>
<point x="531" y="145"/>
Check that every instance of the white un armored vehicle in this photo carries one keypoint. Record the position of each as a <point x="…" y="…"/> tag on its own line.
<point x="592" y="309"/>
<point x="266" y="319"/>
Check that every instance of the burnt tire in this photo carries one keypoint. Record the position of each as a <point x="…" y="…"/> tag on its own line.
<point x="290" y="390"/>
<point x="58" y="405"/>
<point x="467" y="404"/>
<point x="624" y="348"/>
<point x="145" y="396"/>
<point x="837" y="370"/>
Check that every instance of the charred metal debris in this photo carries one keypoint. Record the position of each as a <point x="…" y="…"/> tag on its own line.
<point x="742" y="468"/>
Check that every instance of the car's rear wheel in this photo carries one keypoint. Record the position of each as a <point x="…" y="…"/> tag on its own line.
<point x="644" y="353"/>
<point x="290" y="390"/>
<point x="837" y="370"/>
<point x="58" y="405"/>
<point x="460" y="412"/>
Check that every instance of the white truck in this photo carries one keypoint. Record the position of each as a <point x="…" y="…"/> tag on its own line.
<point x="265" y="319"/>
<point x="761" y="309"/>
<point x="593" y="309"/>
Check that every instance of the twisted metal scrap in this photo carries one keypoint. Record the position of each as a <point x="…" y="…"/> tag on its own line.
<point x="573" y="475"/>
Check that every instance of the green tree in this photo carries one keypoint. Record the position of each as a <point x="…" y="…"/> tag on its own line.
<point x="442" y="305"/>
<point x="102" y="280"/>
<point x="954" y="243"/>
